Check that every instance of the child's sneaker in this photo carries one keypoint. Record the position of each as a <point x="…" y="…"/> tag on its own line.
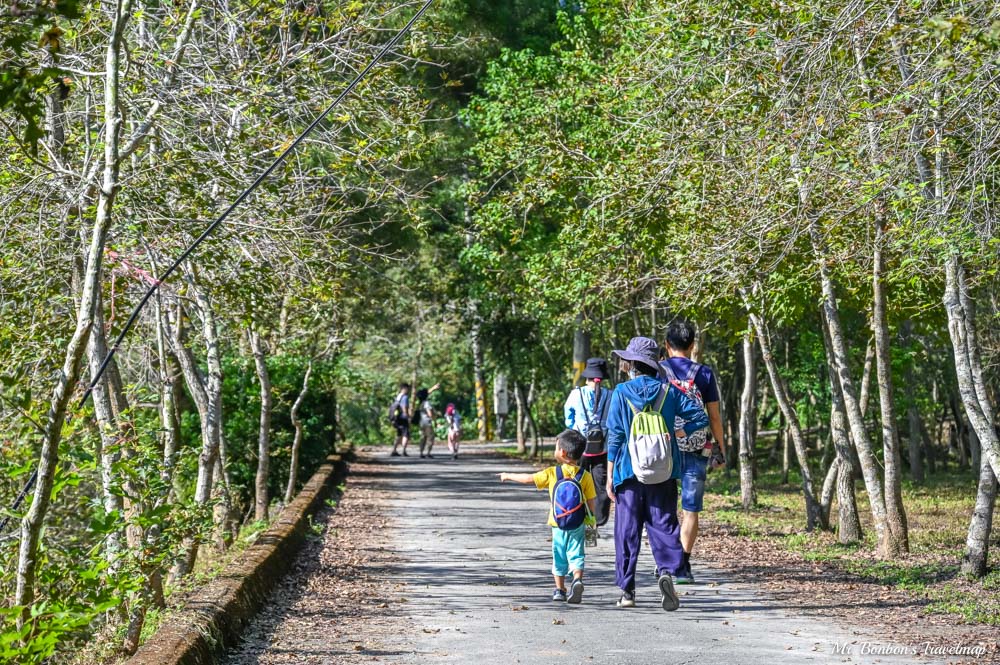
<point x="575" y="592"/>
<point x="627" y="600"/>
<point x="559" y="596"/>
<point x="590" y="536"/>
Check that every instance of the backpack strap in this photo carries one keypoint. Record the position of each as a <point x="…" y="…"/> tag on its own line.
<point x="692" y="371"/>
<point x="664" y="389"/>
<point x="579" y="475"/>
<point x="583" y="403"/>
<point x="668" y="370"/>
<point x="559" y="473"/>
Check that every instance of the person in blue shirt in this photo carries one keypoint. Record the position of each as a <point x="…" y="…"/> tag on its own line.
<point x="638" y="505"/>
<point x="702" y="453"/>
<point x="586" y="409"/>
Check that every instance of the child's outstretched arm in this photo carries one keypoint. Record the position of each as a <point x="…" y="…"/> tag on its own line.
<point x="523" y="478"/>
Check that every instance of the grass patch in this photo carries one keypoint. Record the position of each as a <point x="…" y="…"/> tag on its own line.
<point x="938" y="514"/>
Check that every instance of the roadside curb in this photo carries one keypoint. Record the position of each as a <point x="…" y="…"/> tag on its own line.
<point x="214" y="617"/>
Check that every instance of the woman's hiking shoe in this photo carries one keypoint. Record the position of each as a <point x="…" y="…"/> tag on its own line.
<point x="394" y="454"/>
<point x="559" y="596"/>
<point x="575" y="592"/>
<point x="685" y="576"/>
<point x="627" y="600"/>
<point x="669" y="601"/>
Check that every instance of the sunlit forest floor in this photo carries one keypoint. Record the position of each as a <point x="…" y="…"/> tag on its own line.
<point x="914" y="597"/>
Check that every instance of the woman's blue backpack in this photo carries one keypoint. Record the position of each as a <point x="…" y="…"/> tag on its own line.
<point x="569" y="509"/>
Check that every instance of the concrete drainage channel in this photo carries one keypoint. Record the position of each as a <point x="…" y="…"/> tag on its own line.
<point x="214" y="617"/>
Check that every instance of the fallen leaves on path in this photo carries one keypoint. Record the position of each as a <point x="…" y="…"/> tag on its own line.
<point x="822" y="589"/>
<point x="335" y="605"/>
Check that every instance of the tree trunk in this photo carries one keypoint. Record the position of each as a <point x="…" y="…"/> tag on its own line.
<point x="866" y="378"/>
<point x="914" y="438"/>
<point x="110" y="437"/>
<point x="482" y="415"/>
<point x="829" y="486"/>
<point x="261" y="498"/>
<point x="895" y="511"/>
<point x="814" y="513"/>
<point x="848" y="520"/>
<point x="889" y="540"/>
<point x="962" y="329"/>
<point x="31" y="524"/>
<point x="293" y="465"/>
<point x="219" y="486"/>
<point x="522" y="417"/>
<point x="786" y="454"/>
<point x="930" y="450"/>
<point x="977" y="542"/>
<point x="536" y="440"/>
<point x="581" y="350"/>
<point x="171" y="393"/>
<point x="748" y="416"/>
<point x="197" y="388"/>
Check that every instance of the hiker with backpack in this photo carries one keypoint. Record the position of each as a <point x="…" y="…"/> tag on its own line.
<point x="572" y="495"/>
<point x="399" y="418"/>
<point x="586" y="411"/>
<point x="643" y="468"/>
<point x="699" y="453"/>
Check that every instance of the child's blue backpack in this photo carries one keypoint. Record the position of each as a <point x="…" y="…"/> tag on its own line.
<point x="569" y="509"/>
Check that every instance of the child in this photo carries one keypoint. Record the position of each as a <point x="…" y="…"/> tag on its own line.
<point x="569" y="525"/>
<point x="454" y="429"/>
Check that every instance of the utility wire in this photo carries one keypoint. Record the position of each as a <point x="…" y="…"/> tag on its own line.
<point x="218" y="222"/>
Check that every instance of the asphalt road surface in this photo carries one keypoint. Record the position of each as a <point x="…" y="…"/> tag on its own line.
<point x="478" y="589"/>
<point x="456" y="569"/>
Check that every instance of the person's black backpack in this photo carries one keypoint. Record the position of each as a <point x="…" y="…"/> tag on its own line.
<point x="593" y="430"/>
<point x="396" y="412"/>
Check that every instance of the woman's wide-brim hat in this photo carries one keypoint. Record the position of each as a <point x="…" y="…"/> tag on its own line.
<point x="641" y="350"/>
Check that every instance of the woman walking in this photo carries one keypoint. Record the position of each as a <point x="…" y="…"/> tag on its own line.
<point x="643" y="467"/>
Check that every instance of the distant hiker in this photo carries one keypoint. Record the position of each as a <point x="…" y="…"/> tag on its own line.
<point x="572" y="495"/>
<point x="643" y="467"/>
<point x="426" y="420"/>
<point x="698" y="452"/>
<point x="586" y="411"/>
<point x="454" y="421"/>
<point x="399" y="418"/>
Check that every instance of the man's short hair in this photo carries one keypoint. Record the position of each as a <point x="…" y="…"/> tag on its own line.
<point x="572" y="443"/>
<point x="681" y="335"/>
<point x="404" y="386"/>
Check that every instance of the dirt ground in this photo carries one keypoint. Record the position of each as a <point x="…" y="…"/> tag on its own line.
<point x="821" y="589"/>
<point x="334" y="604"/>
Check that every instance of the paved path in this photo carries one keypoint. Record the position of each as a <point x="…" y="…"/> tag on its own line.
<point x="473" y="587"/>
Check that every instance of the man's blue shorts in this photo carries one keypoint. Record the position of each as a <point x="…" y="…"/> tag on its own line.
<point x="567" y="550"/>
<point x="694" y="471"/>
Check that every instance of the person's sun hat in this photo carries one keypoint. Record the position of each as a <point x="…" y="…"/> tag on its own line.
<point x="641" y="350"/>
<point x="597" y="368"/>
